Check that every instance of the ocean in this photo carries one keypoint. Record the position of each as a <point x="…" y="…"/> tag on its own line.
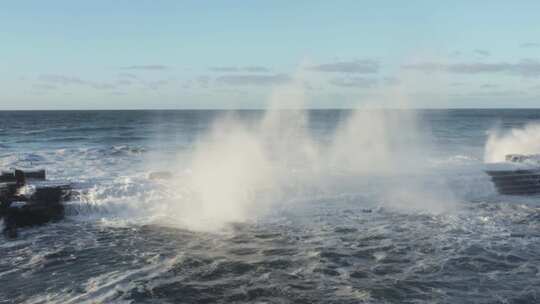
<point x="283" y="206"/>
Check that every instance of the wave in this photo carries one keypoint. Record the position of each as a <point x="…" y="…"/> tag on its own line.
<point x="524" y="140"/>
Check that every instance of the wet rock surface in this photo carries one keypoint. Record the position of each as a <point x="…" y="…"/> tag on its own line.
<point x="21" y="209"/>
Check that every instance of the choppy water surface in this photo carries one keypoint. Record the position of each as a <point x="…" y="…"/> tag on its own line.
<point x="335" y="239"/>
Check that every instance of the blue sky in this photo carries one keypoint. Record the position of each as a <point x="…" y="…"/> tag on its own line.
<point x="234" y="54"/>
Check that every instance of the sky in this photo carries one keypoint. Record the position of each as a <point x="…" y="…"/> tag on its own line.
<point x="122" y="54"/>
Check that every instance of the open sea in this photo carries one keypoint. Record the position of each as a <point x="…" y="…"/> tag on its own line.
<point x="323" y="206"/>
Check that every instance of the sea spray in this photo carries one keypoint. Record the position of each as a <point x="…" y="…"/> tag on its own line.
<point x="239" y="171"/>
<point x="228" y="168"/>
<point x="389" y="146"/>
<point x="524" y="140"/>
<point x="378" y="141"/>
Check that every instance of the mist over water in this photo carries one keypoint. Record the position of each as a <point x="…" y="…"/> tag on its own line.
<point x="240" y="170"/>
<point x="522" y="140"/>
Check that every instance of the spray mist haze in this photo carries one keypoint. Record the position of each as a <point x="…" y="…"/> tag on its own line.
<point x="524" y="140"/>
<point x="239" y="171"/>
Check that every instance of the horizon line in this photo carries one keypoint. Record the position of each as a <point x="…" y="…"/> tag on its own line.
<point x="264" y="109"/>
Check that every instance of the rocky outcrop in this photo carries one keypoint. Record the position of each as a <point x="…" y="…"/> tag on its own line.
<point x="39" y="203"/>
<point x="518" y="175"/>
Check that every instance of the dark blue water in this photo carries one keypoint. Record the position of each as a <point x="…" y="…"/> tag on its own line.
<point x="274" y="214"/>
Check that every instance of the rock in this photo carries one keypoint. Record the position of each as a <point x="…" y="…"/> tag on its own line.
<point x="21" y="214"/>
<point x="7" y="189"/>
<point x="21" y="209"/>
<point x="43" y="206"/>
<point x="7" y="193"/>
<point x="51" y="194"/>
<point x="36" y="175"/>
<point x="522" y="158"/>
<point x="7" y="177"/>
<point x="22" y="175"/>
<point x="20" y="179"/>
